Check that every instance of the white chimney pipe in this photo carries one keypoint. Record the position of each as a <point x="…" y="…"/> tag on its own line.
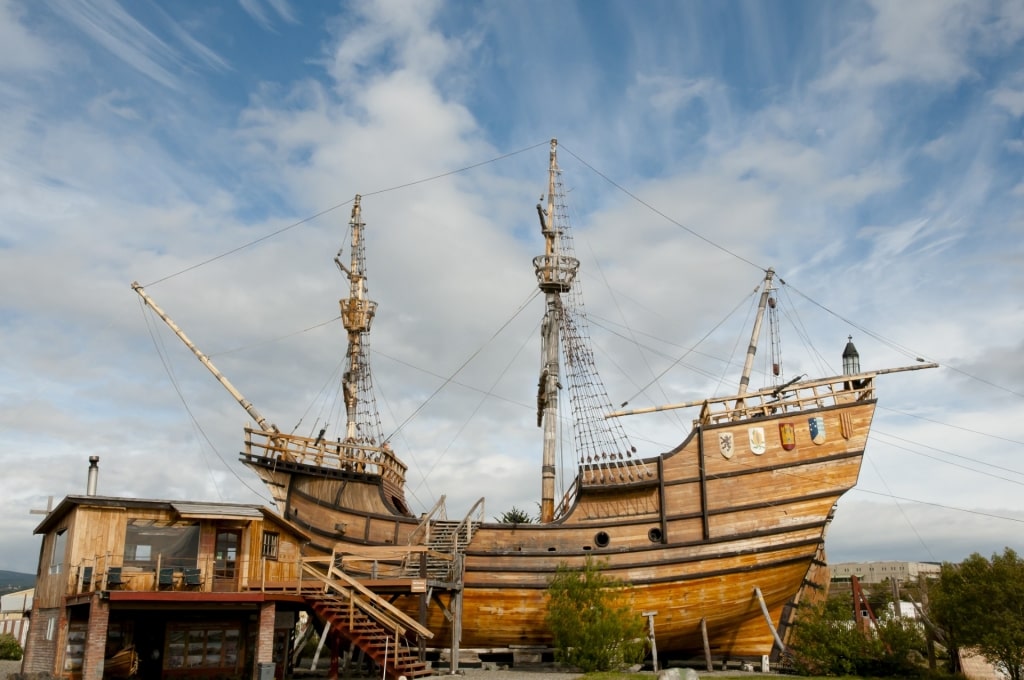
<point x="94" y="475"/>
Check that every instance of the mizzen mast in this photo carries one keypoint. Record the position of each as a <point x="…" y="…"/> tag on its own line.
<point x="362" y="419"/>
<point x="755" y="334"/>
<point x="555" y="273"/>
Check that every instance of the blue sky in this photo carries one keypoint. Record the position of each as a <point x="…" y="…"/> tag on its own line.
<point x="870" y="152"/>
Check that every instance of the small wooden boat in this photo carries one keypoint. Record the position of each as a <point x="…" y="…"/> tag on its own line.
<point x="123" y="664"/>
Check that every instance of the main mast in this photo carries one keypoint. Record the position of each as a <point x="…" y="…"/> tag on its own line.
<point x="555" y="274"/>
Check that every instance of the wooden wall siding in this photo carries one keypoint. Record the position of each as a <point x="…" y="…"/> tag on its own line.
<point x="96" y="539"/>
<point x="631" y="503"/>
<point x="50" y="587"/>
<point x="348" y="493"/>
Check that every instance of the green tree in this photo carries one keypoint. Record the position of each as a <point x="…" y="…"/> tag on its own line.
<point x="594" y="629"/>
<point x="9" y="647"/>
<point x="514" y="516"/>
<point x="980" y="603"/>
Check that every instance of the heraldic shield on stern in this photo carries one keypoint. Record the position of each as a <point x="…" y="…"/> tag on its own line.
<point x="787" y="435"/>
<point x="726" y="444"/>
<point x="816" y="426"/>
<point x="757" y="440"/>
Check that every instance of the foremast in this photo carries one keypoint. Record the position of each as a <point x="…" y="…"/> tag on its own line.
<point x="362" y="426"/>
<point x="555" y="274"/>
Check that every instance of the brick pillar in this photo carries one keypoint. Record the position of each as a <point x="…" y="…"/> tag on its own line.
<point x="96" y="639"/>
<point x="39" y="652"/>
<point x="264" y="652"/>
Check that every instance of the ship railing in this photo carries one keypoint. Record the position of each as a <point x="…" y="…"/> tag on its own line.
<point x="568" y="499"/>
<point x="791" y="398"/>
<point x="349" y="455"/>
<point x="421" y="534"/>
<point x="463" y="532"/>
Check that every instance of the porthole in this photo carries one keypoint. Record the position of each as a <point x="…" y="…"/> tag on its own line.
<point x="655" y="535"/>
<point x="601" y="539"/>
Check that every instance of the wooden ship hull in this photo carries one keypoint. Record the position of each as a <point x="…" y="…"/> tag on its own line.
<point x="719" y="536"/>
<point x="711" y="537"/>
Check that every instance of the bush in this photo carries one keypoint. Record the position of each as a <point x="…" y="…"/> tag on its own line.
<point x="10" y="650"/>
<point x="826" y="642"/>
<point x="592" y="629"/>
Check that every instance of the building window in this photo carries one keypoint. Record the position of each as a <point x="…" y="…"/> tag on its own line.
<point x="176" y="545"/>
<point x="270" y="543"/>
<point x="202" y="646"/>
<point x="60" y="544"/>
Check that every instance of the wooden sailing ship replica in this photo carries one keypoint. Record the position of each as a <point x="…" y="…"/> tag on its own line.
<point x="718" y="536"/>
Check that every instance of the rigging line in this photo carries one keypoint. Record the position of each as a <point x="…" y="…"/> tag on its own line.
<point x="950" y="425"/>
<point x="1019" y="520"/>
<point x="342" y="205"/>
<point x="903" y="512"/>
<point x="192" y="416"/>
<point x="956" y="455"/>
<point x="688" y="352"/>
<point x="236" y="249"/>
<point x="410" y="454"/>
<point x="320" y="395"/>
<point x="480" y="402"/>
<point x="451" y="381"/>
<point x="629" y="329"/>
<point x="455" y="172"/>
<point x="661" y="214"/>
<point x="808" y="477"/>
<point x="161" y="351"/>
<point x="270" y="341"/>
<point x="465" y="363"/>
<point x="905" y="350"/>
<point x="790" y="311"/>
<point x="602" y="323"/>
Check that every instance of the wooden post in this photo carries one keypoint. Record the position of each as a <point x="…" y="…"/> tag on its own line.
<point x="707" y="644"/>
<point x="422" y="656"/>
<point x="456" y="630"/>
<point x="768" y="619"/>
<point x="650" y="635"/>
<point x="320" y="645"/>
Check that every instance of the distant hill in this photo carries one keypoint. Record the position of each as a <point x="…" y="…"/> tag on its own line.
<point x="11" y="581"/>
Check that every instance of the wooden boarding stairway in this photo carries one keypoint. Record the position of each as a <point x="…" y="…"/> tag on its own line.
<point x="379" y="629"/>
<point x="447" y="541"/>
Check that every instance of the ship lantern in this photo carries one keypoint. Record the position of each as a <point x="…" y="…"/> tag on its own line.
<point x="851" y="359"/>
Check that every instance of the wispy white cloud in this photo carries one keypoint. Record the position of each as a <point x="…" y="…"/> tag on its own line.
<point x="255" y="9"/>
<point x="1010" y="99"/>
<point x="20" y="49"/>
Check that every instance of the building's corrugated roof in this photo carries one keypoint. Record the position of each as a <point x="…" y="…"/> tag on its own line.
<point x="221" y="510"/>
<point x="185" y="509"/>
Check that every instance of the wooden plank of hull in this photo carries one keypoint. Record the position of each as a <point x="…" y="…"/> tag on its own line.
<point x="502" y="616"/>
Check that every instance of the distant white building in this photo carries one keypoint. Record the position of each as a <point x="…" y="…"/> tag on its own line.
<point x="14" y="611"/>
<point x="877" y="572"/>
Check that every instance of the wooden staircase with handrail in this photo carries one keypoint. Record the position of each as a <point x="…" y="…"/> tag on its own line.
<point x="390" y="652"/>
<point x="359" y="615"/>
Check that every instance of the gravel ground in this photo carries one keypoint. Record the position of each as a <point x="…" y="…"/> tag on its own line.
<point x="9" y="667"/>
